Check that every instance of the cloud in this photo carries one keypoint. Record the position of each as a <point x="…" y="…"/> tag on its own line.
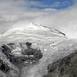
<point x="13" y="11"/>
<point x="29" y="5"/>
<point x="8" y="4"/>
<point x="35" y="4"/>
<point x="65" y="21"/>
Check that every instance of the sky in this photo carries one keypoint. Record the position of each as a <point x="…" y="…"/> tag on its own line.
<point x="43" y="4"/>
<point x="34" y="6"/>
<point x="50" y="13"/>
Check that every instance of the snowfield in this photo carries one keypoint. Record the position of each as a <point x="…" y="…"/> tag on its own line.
<point x="52" y="43"/>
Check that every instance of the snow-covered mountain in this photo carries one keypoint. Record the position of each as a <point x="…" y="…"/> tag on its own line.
<point x="53" y="43"/>
<point x="27" y="31"/>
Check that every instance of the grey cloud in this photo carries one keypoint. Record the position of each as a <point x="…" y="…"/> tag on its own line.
<point x="11" y="13"/>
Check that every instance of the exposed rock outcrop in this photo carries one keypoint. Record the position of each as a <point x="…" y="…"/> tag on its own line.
<point x="65" y="67"/>
<point x="9" y="61"/>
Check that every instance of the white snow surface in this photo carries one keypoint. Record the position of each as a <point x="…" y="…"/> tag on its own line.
<point x="52" y="44"/>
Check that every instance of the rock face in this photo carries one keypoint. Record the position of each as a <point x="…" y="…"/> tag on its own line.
<point x="6" y="66"/>
<point x="26" y="57"/>
<point x="65" y="67"/>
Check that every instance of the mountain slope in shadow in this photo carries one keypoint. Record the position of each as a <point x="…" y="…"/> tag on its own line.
<point x="65" y="67"/>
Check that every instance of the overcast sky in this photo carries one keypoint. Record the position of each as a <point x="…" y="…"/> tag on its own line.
<point x="58" y="13"/>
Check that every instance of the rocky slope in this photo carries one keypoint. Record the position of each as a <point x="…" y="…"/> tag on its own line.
<point x="64" y="67"/>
